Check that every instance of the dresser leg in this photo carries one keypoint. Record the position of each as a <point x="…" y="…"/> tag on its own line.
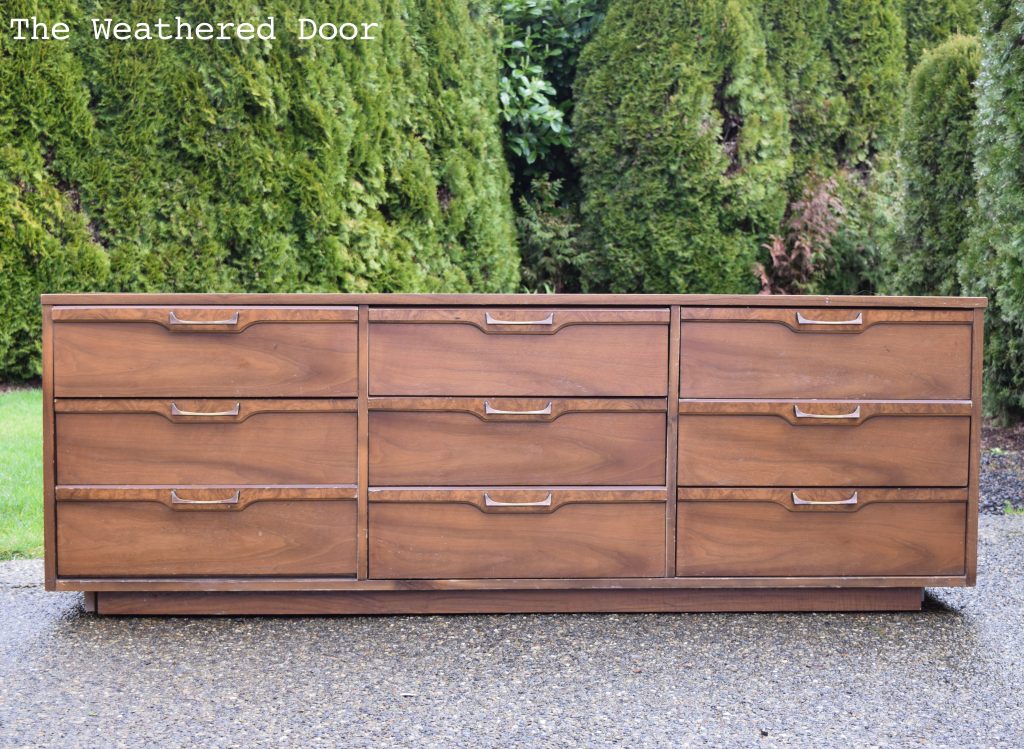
<point x="664" y="600"/>
<point x="89" y="602"/>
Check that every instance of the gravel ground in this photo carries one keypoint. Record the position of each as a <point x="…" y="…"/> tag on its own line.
<point x="950" y="676"/>
<point x="1001" y="481"/>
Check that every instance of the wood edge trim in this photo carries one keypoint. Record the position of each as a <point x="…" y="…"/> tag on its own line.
<point x="49" y="455"/>
<point x="762" y="315"/>
<point x="247" y="495"/>
<point x="336" y="582"/>
<point x="784" y="409"/>
<point x="557" y="503"/>
<point x="974" y="461"/>
<point x="363" y="444"/>
<point x="787" y="504"/>
<point x="509" y="602"/>
<point x="342" y="314"/>
<point x="248" y="408"/>
<point x="475" y="406"/>
<point x="672" y="441"/>
<point x="423" y="316"/>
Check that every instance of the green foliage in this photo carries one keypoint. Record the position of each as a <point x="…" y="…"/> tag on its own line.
<point x="931" y="22"/>
<point x="938" y="169"/>
<point x="867" y="45"/>
<point x="542" y="43"/>
<point x="683" y="147"/>
<point x="993" y="266"/>
<point x="548" y="239"/>
<point x="46" y="241"/>
<point x="262" y="166"/>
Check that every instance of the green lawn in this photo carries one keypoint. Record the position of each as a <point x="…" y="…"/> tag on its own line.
<point x="21" y="474"/>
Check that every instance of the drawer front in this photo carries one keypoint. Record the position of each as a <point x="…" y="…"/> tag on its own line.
<point x="764" y="539"/>
<point x="447" y="541"/>
<point x="140" y="539"/>
<point x="413" y="448"/>
<point x="767" y="353"/>
<point x="478" y="352"/>
<point x="304" y="442"/>
<point x="256" y="352"/>
<point x="767" y="450"/>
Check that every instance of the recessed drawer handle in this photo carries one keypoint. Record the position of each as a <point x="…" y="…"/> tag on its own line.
<point x="854" y="414"/>
<point x="173" y="319"/>
<point x="549" y="320"/>
<point x="858" y="320"/>
<point x="849" y="501"/>
<point x="546" y="502"/>
<point x="232" y="500"/>
<point x="491" y="411"/>
<point x="175" y="411"/>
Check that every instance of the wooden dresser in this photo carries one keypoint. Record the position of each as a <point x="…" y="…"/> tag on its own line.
<point x="333" y="453"/>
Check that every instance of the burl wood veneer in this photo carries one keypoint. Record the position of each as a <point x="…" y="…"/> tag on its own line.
<point x="331" y="453"/>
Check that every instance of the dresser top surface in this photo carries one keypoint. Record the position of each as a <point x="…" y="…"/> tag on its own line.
<point x="534" y="300"/>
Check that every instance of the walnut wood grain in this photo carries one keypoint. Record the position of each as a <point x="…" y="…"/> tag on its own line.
<point x="49" y="459"/>
<point x="507" y="602"/>
<point x="559" y="496"/>
<point x="977" y="371"/>
<point x="458" y="449"/>
<point x="455" y="540"/>
<point x="763" y="353"/>
<point x="784" y="497"/>
<point x="139" y="359"/>
<point x="247" y="495"/>
<point x="525" y="408"/>
<point x="809" y="413"/>
<point x="204" y="410"/>
<point x="833" y="319"/>
<point x="762" y="538"/>
<point x="294" y="537"/>
<point x="146" y="448"/>
<point x="523" y="300"/>
<point x="181" y="318"/>
<point x="916" y="451"/>
<point x="529" y="321"/>
<point x="448" y="358"/>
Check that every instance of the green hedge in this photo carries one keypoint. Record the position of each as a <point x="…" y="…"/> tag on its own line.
<point x="284" y="166"/>
<point x="931" y="22"/>
<point x="994" y="263"/>
<point x="683" y="145"/>
<point x="937" y="154"/>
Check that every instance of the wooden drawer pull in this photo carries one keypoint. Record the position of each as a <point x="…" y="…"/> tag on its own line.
<point x="549" y="320"/>
<point x="491" y="411"/>
<point x="848" y="501"/>
<point x="801" y="414"/>
<point x="175" y="411"/>
<point x="232" y="500"/>
<point x="858" y="320"/>
<point x="546" y="502"/>
<point x="173" y="319"/>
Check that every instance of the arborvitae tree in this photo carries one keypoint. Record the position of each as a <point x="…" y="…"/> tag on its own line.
<point x="867" y="44"/>
<point x="683" y="146"/>
<point x="994" y="264"/>
<point x="931" y="22"/>
<point x="283" y="166"/>
<point x="46" y="241"/>
<point x="798" y="39"/>
<point x="937" y="155"/>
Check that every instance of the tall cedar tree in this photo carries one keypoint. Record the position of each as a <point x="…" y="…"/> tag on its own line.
<point x="937" y="155"/>
<point x="683" y="145"/>
<point x="931" y="22"/>
<point x="253" y="166"/>
<point x="994" y="264"/>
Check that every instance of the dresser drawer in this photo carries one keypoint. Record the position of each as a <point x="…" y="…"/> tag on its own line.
<point x="765" y="535"/>
<point x="550" y="534"/>
<point x="463" y="441"/>
<point x="519" y="352"/>
<point x="300" y="532"/>
<point x="190" y="441"/>
<point x="204" y="352"/>
<point x="825" y="353"/>
<point x="823" y="444"/>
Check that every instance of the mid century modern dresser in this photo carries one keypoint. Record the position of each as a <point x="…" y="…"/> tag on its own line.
<point x="333" y="453"/>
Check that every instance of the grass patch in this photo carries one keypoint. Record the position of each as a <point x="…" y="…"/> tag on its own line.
<point x="1011" y="510"/>
<point x="21" y="474"/>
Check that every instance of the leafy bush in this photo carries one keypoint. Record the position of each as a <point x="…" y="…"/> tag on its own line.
<point x="290" y="166"/>
<point x="683" y="145"/>
<point x="548" y="239"/>
<point x="994" y="263"/>
<point x="937" y="156"/>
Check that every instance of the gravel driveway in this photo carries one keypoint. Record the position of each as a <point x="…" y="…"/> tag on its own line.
<point x="952" y="675"/>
